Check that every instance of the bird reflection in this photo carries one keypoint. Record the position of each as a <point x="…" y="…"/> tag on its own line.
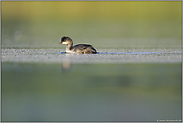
<point x="66" y="64"/>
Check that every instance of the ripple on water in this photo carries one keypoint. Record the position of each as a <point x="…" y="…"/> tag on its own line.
<point x="127" y="53"/>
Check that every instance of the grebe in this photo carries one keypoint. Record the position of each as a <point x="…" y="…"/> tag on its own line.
<point x="79" y="48"/>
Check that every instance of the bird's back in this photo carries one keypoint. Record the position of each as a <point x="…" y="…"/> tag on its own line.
<point x="84" y="49"/>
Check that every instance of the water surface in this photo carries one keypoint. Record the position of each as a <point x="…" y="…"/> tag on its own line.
<point x="91" y="92"/>
<point x="136" y="75"/>
<point x="103" y="56"/>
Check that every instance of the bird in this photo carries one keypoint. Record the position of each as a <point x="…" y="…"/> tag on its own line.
<point x="79" y="48"/>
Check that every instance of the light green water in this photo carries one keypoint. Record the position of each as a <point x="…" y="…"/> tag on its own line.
<point x="91" y="92"/>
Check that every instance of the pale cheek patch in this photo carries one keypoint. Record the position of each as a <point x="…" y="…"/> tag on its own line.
<point x="64" y="43"/>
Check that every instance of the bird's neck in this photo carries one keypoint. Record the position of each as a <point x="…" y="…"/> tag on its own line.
<point x="69" y="46"/>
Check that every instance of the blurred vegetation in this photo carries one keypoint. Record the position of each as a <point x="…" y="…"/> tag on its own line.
<point x="58" y="10"/>
<point x="42" y="23"/>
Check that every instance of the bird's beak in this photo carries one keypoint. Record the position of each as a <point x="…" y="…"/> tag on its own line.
<point x="60" y="43"/>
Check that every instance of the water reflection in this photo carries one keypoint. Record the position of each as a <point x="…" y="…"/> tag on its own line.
<point x="109" y="81"/>
<point x="62" y="52"/>
<point x="66" y="64"/>
<point x="90" y="92"/>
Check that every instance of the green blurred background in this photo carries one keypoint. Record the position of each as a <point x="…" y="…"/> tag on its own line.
<point x="118" y="24"/>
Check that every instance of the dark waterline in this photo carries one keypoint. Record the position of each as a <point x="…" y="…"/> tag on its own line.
<point x="117" y="53"/>
<point x="127" y="53"/>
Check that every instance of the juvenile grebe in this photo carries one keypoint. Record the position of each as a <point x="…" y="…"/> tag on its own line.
<point x="79" y="48"/>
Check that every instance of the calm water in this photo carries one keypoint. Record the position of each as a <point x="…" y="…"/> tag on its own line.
<point x="128" y="80"/>
<point x="136" y="75"/>
<point x="113" y="85"/>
